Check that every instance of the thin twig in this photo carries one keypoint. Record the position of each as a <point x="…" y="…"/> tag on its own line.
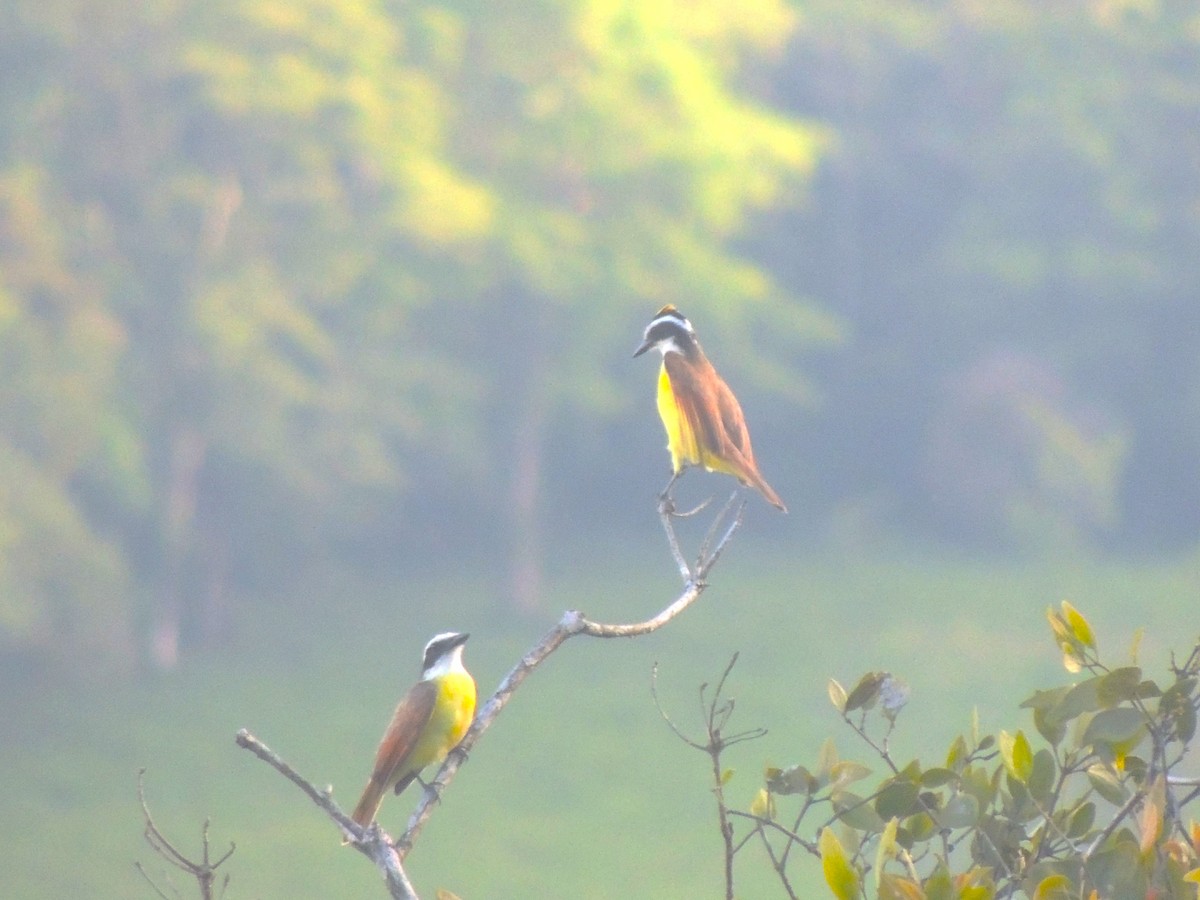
<point x="777" y="864"/>
<point x="790" y="834"/>
<point x="711" y="534"/>
<point x="571" y="624"/>
<point x="150" y="881"/>
<point x="1112" y="825"/>
<point x="666" y="514"/>
<point x="204" y="871"/>
<point x="389" y="855"/>
<point x="372" y="842"/>
<point x="662" y="712"/>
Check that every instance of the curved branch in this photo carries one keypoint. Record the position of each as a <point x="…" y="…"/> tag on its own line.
<point x="372" y="842"/>
<point x="572" y="623"/>
<point x="388" y="855"/>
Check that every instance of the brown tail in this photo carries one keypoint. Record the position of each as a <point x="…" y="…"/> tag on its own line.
<point x="757" y="482"/>
<point x="741" y="465"/>
<point x="368" y="804"/>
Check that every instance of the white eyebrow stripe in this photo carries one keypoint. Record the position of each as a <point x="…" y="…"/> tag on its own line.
<point x="674" y="318"/>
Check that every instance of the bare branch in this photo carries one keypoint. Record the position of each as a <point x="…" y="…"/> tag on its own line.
<point x="666" y="512"/>
<point x="150" y="881"/>
<point x="203" y="871"/>
<point x="388" y="855"/>
<point x="1106" y="833"/>
<point x="372" y="842"/>
<point x="662" y="712"/>
<point x="715" y="714"/>
<point x="791" y="835"/>
<point x="711" y="534"/>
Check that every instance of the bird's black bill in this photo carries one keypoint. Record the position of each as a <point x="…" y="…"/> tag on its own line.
<point x="646" y="345"/>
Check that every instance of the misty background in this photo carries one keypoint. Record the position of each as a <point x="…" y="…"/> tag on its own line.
<point x="288" y="283"/>
<point x="291" y="289"/>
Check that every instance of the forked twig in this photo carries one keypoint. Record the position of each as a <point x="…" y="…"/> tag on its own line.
<point x="204" y="871"/>
<point x="372" y="842"/>
<point x="388" y="855"/>
<point x="715" y="713"/>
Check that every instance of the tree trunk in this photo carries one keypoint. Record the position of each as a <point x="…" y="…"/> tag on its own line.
<point x="188" y="450"/>
<point x="524" y="500"/>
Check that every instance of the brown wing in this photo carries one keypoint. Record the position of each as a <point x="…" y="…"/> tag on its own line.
<point x="716" y="418"/>
<point x="408" y="721"/>
<point x="711" y="409"/>
<point x="692" y="384"/>
<point x="733" y="422"/>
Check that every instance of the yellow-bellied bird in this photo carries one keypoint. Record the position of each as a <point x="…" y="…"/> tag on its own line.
<point x="704" y="422"/>
<point x="429" y="722"/>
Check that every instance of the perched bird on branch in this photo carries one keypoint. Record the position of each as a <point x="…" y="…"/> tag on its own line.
<point x="704" y="421"/>
<point x="429" y="722"/>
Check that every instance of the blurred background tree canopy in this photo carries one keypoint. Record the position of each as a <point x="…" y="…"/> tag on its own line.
<point x="323" y="280"/>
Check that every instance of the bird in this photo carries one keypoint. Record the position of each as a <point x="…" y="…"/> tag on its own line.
<point x="703" y="419"/>
<point x="427" y="724"/>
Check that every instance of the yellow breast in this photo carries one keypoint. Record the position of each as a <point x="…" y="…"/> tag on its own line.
<point x="681" y="440"/>
<point x="451" y="717"/>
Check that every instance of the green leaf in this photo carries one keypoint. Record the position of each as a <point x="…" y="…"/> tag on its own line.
<point x="792" y="780"/>
<point x="843" y="879"/>
<point x="1041" y="776"/>
<point x="855" y="812"/>
<point x="1080" y="629"/>
<point x="826" y="760"/>
<point x="1017" y="755"/>
<point x="939" y="885"/>
<point x="1046" y="700"/>
<point x="1118" y="686"/>
<point x="920" y="827"/>
<point x="1049" y="726"/>
<point x="865" y="693"/>
<point x="1054" y="887"/>
<point x="1113" y="726"/>
<point x="1083" y="697"/>
<point x="847" y="772"/>
<point x="1176" y="704"/>
<point x="1080" y="822"/>
<point x="957" y="753"/>
<point x="837" y="694"/>
<point x="960" y="811"/>
<point x="886" y="850"/>
<point x="726" y="776"/>
<point x="1106" y="783"/>
<point x="897" y="800"/>
<point x="1119" y="867"/>
<point x="981" y="785"/>
<point x="936" y="777"/>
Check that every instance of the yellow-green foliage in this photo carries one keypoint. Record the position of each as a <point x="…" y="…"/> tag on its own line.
<point x="1097" y="810"/>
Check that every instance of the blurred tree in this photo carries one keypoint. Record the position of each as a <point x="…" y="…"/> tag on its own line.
<point x="624" y="151"/>
<point x="1010" y="174"/>
<point x="237" y="176"/>
<point x="322" y="236"/>
<point x="1013" y="458"/>
<point x="64" y="590"/>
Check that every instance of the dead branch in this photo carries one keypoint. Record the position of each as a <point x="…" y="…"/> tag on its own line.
<point x="372" y="842"/>
<point x="388" y="855"/>
<point x="204" y="871"/>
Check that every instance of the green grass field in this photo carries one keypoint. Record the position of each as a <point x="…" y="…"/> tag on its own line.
<point x="579" y="791"/>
